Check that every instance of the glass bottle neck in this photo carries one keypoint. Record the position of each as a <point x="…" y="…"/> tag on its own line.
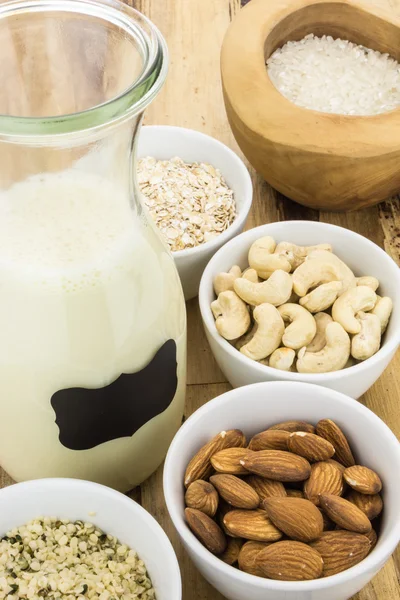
<point x="71" y="68"/>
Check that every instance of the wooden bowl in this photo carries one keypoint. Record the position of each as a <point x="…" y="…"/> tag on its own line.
<point x="321" y="160"/>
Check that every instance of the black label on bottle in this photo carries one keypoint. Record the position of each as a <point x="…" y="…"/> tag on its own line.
<point x="89" y="417"/>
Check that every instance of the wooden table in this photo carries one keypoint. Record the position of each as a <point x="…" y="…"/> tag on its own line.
<point x="192" y="97"/>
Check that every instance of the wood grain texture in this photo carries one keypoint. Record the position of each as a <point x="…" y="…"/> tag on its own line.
<point x="318" y="159"/>
<point x="192" y="97"/>
<point x="195" y="50"/>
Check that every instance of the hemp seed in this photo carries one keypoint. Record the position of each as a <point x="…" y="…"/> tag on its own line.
<point x="60" y="560"/>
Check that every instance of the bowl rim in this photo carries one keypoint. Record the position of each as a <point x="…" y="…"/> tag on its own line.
<point x="237" y="165"/>
<point x="209" y="324"/>
<point x="261" y="107"/>
<point x="115" y="497"/>
<point x="213" y="562"/>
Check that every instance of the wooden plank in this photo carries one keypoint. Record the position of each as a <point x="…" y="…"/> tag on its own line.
<point x="389" y="217"/>
<point x="195" y="74"/>
<point x="383" y="397"/>
<point x="192" y="97"/>
<point x="202" y="367"/>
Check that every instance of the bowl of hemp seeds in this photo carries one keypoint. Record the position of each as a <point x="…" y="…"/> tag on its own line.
<point x="198" y="193"/>
<point x="69" y="539"/>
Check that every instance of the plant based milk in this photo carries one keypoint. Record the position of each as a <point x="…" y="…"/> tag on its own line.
<point x="88" y="297"/>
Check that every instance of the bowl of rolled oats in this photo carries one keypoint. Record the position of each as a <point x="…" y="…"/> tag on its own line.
<point x="67" y="539"/>
<point x="197" y="191"/>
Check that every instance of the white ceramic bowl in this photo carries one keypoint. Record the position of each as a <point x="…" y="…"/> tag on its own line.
<point x="252" y="409"/>
<point x="165" y="142"/>
<point x="363" y="257"/>
<point x="113" y="512"/>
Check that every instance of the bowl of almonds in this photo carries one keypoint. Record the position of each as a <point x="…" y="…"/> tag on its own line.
<point x="198" y="193"/>
<point x="285" y="490"/>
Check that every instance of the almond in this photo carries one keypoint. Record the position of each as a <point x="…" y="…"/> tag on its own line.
<point x="363" y="480"/>
<point x="294" y="426"/>
<point x="248" y="555"/>
<point x="206" y="530"/>
<point x="336" y="464"/>
<point x="328" y="524"/>
<point x="231" y="554"/>
<point x="328" y="430"/>
<point x="200" y="466"/>
<point x="223" y="509"/>
<point x="278" y="465"/>
<point x="228" y="461"/>
<point x="341" y="550"/>
<point x="202" y="496"/>
<point x="272" y="439"/>
<point x="345" y="514"/>
<point x="294" y="493"/>
<point x="371" y="505"/>
<point x="266" y="488"/>
<point x="299" y="519"/>
<point x="373" y="538"/>
<point x="236" y="492"/>
<point x="325" y="478"/>
<point x="290" y="561"/>
<point x="251" y="525"/>
<point x="311" y="446"/>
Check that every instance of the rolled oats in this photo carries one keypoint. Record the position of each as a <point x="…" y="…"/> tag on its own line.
<point x="59" y="560"/>
<point x="190" y="203"/>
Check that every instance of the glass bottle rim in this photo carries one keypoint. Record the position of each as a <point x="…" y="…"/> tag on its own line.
<point x="124" y="106"/>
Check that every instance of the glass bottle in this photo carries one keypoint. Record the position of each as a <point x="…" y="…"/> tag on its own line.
<point x="92" y="316"/>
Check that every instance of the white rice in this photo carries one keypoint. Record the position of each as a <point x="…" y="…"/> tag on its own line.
<point x="336" y="76"/>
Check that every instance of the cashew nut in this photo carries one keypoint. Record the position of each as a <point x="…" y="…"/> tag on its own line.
<point x="368" y="341"/>
<point x="276" y="290"/>
<point x="268" y="335"/>
<point x="250" y="275"/>
<point x="332" y="357"/>
<point x="319" y="341"/>
<point x="231" y="314"/>
<point x="282" y="358"/>
<point x="369" y="281"/>
<point x="322" y="297"/>
<point x="224" y="281"/>
<point x="320" y="267"/>
<point x="296" y="255"/>
<point x="302" y="326"/>
<point x="242" y="341"/>
<point x="383" y="309"/>
<point x="262" y="259"/>
<point x="351" y="302"/>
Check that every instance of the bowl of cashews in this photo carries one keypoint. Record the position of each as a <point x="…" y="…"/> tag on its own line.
<point x="302" y="301"/>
